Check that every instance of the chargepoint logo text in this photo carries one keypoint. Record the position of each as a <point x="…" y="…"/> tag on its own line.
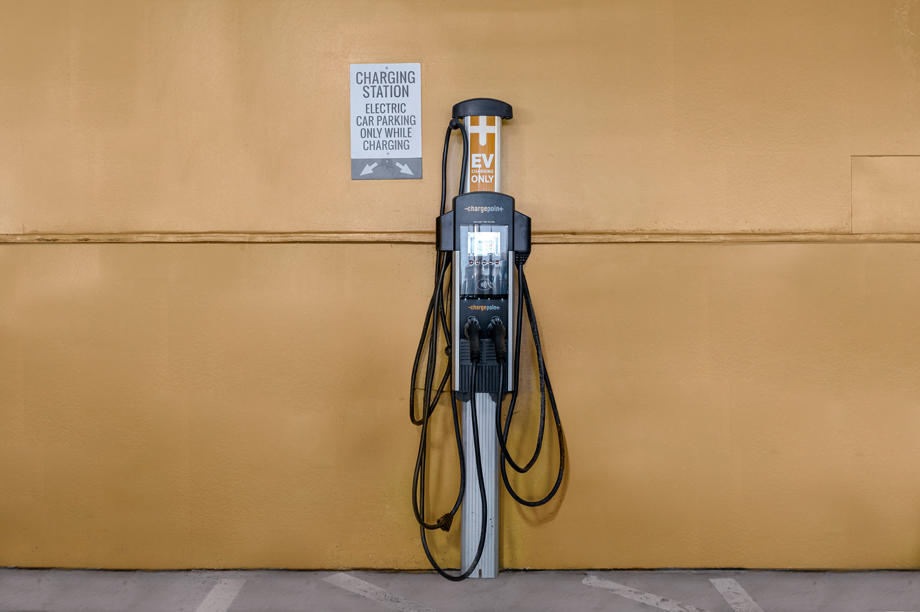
<point x="484" y="209"/>
<point x="483" y="307"/>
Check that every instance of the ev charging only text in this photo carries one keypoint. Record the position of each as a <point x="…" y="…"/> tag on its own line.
<point x="482" y="161"/>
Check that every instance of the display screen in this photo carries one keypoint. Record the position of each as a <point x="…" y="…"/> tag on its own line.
<point x="483" y="244"/>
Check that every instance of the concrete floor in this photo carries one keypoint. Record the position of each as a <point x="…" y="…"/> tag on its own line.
<point x="626" y="591"/>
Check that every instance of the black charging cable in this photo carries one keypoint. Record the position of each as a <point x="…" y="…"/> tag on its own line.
<point x="471" y="331"/>
<point x="546" y="391"/>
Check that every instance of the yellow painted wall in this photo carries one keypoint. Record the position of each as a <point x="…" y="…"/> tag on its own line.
<point x="751" y="402"/>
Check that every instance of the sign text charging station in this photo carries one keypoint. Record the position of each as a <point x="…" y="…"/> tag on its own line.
<point x="476" y="310"/>
<point x="386" y="121"/>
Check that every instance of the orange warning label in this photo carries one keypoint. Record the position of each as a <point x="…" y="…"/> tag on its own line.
<point x="483" y="160"/>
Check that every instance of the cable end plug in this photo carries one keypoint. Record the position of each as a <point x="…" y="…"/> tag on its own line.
<point x="471" y="330"/>
<point x="445" y="522"/>
<point x="497" y="332"/>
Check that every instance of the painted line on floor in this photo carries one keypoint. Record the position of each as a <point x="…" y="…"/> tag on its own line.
<point x="222" y="595"/>
<point x="735" y="595"/>
<point x="374" y="593"/>
<point x="649" y="599"/>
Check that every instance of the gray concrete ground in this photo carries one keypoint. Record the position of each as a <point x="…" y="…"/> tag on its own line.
<point x="626" y="591"/>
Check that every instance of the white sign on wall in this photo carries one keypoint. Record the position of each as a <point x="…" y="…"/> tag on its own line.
<point x="386" y="121"/>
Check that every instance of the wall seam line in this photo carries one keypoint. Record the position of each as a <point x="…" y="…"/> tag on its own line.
<point x="429" y="237"/>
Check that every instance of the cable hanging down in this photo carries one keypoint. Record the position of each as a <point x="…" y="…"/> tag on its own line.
<point x="438" y="321"/>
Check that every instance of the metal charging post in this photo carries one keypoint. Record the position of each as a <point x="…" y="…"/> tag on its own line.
<point x="484" y="174"/>
<point x="483" y="242"/>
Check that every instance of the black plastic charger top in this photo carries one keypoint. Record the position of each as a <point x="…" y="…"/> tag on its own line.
<point x="486" y="107"/>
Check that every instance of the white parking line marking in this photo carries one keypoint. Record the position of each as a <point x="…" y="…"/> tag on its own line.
<point x="735" y="595"/>
<point x="375" y="593"/>
<point x="222" y="595"/>
<point x="662" y="603"/>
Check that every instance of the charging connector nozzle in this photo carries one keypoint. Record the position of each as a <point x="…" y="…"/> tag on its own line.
<point x="496" y="331"/>
<point x="471" y="331"/>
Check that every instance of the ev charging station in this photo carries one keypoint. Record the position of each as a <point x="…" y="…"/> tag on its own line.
<point x="480" y="291"/>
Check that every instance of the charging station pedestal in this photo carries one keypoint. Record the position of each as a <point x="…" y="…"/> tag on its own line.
<point x="483" y="122"/>
<point x="484" y="242"/>
<point x="472" y="512"/>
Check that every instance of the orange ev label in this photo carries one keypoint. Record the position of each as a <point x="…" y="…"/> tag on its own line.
<point x="482" y="132"/>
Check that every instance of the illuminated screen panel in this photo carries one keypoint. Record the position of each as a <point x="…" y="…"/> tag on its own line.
<point x="484" y="244"/>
